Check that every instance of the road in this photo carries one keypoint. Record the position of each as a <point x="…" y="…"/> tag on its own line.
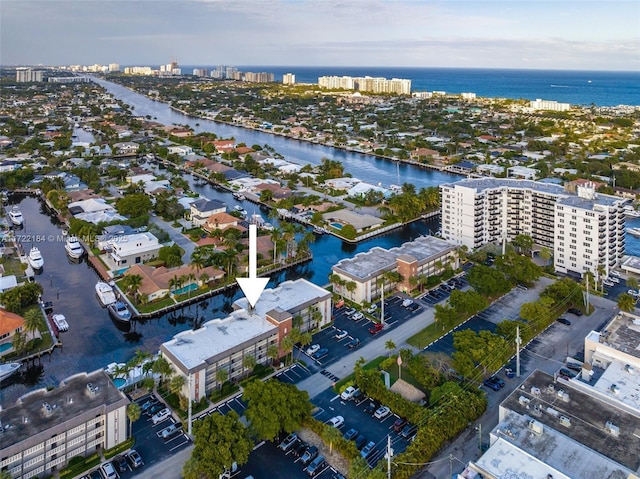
<point x="170" y="468"/>
<point x="176" y="236"/>
<point x="547" y="352"/>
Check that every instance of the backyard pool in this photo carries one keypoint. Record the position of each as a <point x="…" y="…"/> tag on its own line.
<point x="119" y="382"/>
<point x="5" y="347"/>
<point x="337" y="226"/>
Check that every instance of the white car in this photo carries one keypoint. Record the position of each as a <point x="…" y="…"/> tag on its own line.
<point x="161" y="415"/>
<point x="357" y="316"/>
<point x="407" y="302"/>
<point x="382" y="412"/>
<point x="336" y="421"/>
<point x="348" y="393"/>
<point x="312" y="349"/>
<point x="372" y="309"/>
<point x="107" y="470"/>
<point x="615" y="273"/>
<point x="341" y="334"/>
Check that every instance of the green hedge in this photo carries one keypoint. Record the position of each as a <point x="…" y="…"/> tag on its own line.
<point x="78" y="465"/>
<point x="370" y="382"/>
<point x="348" y="449"/>
<point x="114" y="451"/>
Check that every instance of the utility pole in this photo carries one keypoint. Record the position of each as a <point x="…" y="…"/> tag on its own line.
<point x="480" y="437"/>
<point x="189" y="407"/>
<point x="450" y="465"/>
<point x="389" y="454"/>
<point x="518" y="342"/>
<point x="587" y="297"/>
<point x="382" y="303"/>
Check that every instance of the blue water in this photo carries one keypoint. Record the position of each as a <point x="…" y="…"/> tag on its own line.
<point x="5" y="347"/>
<point x="601" y="88"/>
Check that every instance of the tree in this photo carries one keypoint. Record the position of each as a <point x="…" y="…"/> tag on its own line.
<point x="219" y="441"/>
<point x="389" y="346"/>
<point x="523" y="243"/>
<point x="222" y="375"/>
<point x="626" y="302"/>
<point x="133" y="205"/>
<point x="18" y="341"/>
<point x="32" y="320"/>
<point x="132" y="283"/>
<point x="133" y="413"/>
<point x="162" y="367"/>
<point x="177" y="383"/>
<point x="274" y="407"/>
<point x="248" y="362"/>
<point x="351" y="287"/>
<point x="632" y="283"/>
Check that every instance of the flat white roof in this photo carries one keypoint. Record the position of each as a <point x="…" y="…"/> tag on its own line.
<point x="288" y="296"/>
<point x="627" y="384"/>
<point x="194" y="348"/>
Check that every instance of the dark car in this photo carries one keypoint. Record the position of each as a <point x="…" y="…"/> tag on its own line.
<point x="357" y="396"/>
<point x="399" y="424"/>
<point x="147" y="404"/>
<point x="371" y="408"/>
<point x="510" y="373"/>
<point x="299" y="449"/>
<point x="316" y="466"/>
<point x="491" y="384"/>
<point x="564" y="321"/>
<point x="351" y="434"/>
<point x="354" y="343"/>
<point x="309" y="455"/>
<point x="154" y="409"/>
<point x="565" y="373"/>
<point x="575" y="311"/>
<point x="134" y="459"/>
<point x="408" y="430"/>
<point x="368" y="449"/>
<point x="360" y="442"/>
<point x="320" y="354"/>
<point x="95" y="474"/>
<point x="120" y="463"/>
<point x="498" y="381"/>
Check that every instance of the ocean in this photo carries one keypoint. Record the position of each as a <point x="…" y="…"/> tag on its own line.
<point x="583" y="88"/>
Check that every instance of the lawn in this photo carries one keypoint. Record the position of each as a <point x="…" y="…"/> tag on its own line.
<point x="423" y="338"/>
<point x="373" y="364"/>
<point x="405" y="376"/>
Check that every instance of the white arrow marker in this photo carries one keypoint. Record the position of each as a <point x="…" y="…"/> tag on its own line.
<point x="253" y="287"/>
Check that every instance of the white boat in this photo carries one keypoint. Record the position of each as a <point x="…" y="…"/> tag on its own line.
<point x="238" y="208"/>
<point x="119" y="311"/>
<point x="15" y="215"/>
<point x="35" y="258"/>
<point x="61" y="322"/>
<point x="633" y="231"/>
<point x="319" y="231"/>
<point x="238" y="196"/>
<point x="7" y="369"/>
<point x="73" y="247"/>
<point x="105" y="293"/>
<point x="631" y="212"/>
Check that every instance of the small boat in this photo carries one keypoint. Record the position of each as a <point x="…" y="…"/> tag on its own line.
<point x="119" y="311"/>
<point x="15" y="215"/>
<point x="35" y="258"/>
<point x="239" y="196"/>
<point x="105" y="293"/>
<point x="61" y="322"/>
<point x="319" y="231"/>
<point x="73" y="247"/>
<point x="633" y="231"/>
<point x="238" y="208"/>
<point x="7" y="369"/>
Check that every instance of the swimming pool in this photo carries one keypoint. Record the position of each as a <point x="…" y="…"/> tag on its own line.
<point x="5" y="347"/>
<point x="119" y="382"/>
<point x="337" y="226"/>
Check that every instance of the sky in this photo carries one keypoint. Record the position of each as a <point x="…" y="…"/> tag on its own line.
<point x="522" y="34"/>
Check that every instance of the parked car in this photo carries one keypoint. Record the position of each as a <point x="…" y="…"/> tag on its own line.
<point x="309" y="455"/>
<point x="336" y="421"/>
<point x="358" y="395"/>
<point x="510" y="373"/>
<point x="376" y="328"/>
<point x="161" y="416"/>
<point x="120" y="463"/>
<point x="360" y="442"/>
<point x="491" y="384"/>
<point x="371" y="407"/>
<point x="95" y="474"/>
<point x="154" y="409"/>
<point x="320" y="353"/>
<point x="399" y="424"/>
<point x="312" y="349"/>
<point x="108" y="471"/>
<point x="408" y="430"/>
<point x="350" y="311"/>
<point x="351" y="434"/>
<point x="144" y="407"/>
<point x="357" y="316"/>
<point x="337" y="475"/>
<point x="368" y="449"/>
<point x="565" y="373"/>
<point x="371" y="309"/>
<point x="169" y="431"/>
<point x="299" y="449"/>
<point x="341" y="334"/>
<point x="348" y="393"/>
<point x="134" y="459"/>
<point x="316" y="466"/>
<point x="564" y="321"/>
<point x="354" y="343"/>
<point x="288" y="442"/>
<point x="382" y="412"/>
<point x="575" y="311"/>
<point x="407" y="302"/>
<point x="498" y="380"/>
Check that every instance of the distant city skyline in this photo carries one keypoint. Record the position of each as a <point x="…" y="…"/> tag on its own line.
<point x="563" y="34"/>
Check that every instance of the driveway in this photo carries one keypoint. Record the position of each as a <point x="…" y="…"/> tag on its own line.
<point x="176" y="236"/>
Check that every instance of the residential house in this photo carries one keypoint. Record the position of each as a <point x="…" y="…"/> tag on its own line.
<point x="10" y="324"/>
<point x="200" y="210"/>
<point x="221" y="221"/>
<point x="180" y="150"/>
<point x="126" y="148"/>
<point x="125" y="251"/>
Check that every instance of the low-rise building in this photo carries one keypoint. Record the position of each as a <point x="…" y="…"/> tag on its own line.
<point x="426" y="255"/>
<point x="125" y="251"/>
<point x="46" y="428"/>
<point x="220" y="221"/>
<point x="10" y="324"/>
<point x="202" y="209"/>
<point x="223" y="344"/>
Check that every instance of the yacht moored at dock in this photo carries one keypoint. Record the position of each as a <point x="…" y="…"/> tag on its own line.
<point x="15" y="215"/>
<point x="119" y="311"/>
<point x="105" y="293"/>
<point x="633" y="232"/>
<point x="73" y="247"/>
<point x="35" y="258"/>
<point x="7" y="369"/>
<point x="238" y="196"/>
<point x="61" y="322"/>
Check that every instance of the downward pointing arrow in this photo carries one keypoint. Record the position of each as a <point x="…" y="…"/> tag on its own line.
<point x="252" y="287"/>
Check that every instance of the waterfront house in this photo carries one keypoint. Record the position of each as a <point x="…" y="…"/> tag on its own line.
<point x="200" y="210"/>
<point x="161" y="281"/>
<point x="126" y="148"/>
<point x="132" y="249"/>
<point x="10" y="324"/>
<point x="221" y="221"/>
<point x="180" y="150"/>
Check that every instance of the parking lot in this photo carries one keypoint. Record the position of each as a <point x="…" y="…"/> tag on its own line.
<point x="443" y="291"/>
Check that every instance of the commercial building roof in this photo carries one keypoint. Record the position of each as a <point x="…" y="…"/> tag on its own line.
<point x="581" y="417"/>
<point x="195" y="348"/>
<point x="291" y="296"/>
<point x="623" y="334"/>
<point x="41" y="410"/>
<point x="371" y="263"/>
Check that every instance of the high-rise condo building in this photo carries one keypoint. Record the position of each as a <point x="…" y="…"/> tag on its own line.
<point x="28" y="75"/>
<point x="584" y="230"/>
<point x="289" y="79"/>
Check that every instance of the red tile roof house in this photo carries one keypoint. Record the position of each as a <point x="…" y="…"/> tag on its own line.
<point x="244" y="150"/>
<point x="10" y="324"/>
<point x="224" y="146"/>
<point x="156" y="281"/>
<point x="279" y="192"/>
<point x="221" y="221"/>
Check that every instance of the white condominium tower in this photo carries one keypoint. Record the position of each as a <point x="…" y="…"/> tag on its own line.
<point x="583" y="230"/>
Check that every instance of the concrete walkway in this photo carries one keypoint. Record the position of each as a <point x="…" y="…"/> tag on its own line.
<point x="317" y="383"/>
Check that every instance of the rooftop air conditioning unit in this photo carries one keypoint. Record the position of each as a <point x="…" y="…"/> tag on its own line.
<point x="535" y="391"/>
<point x="615" y="389"/>
<point x="628" y="368"/>
<point x="524" y="400"/>
<point x="612" y="429"/>
<point x="536" y="427"/>
<point x="565" y="421"/>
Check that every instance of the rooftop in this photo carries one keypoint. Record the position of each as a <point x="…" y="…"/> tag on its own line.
<point x="359" y="221"/>
<point x="40" y="410"/>
<point x="195" y="348"/>
<point x="581" y="417"/>
<point x="371" y="263"/>
<point x="291" y="296"/>
<point x="623" y="334"/>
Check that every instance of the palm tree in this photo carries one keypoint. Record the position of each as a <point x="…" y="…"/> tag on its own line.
<point x="32" y="319"/>
<point x="249" y="362"/>
<point x="275" y="237"/>
<point x="351" y="287"/>
<point x="632" y="283"/>
<point x="304" y="340"/>
<point x="133" y="413"/>
<point x="390" y="346"/>
<point x="337" y="282"/>
<point x="176" y="384"/>
<point x="602" y="271"/>
<point x="626" y="302"/>
<point x="133" y="285"/>
<point x="273" y="353"/>
<point x="222" y="375"/>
